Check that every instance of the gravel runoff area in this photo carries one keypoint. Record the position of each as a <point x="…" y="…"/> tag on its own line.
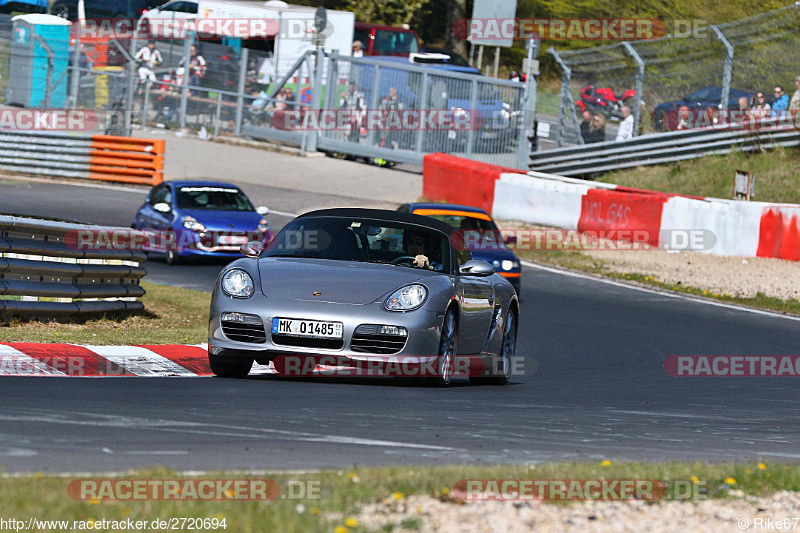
<point x="735" y="276"/>
<point x="427" y="514"/>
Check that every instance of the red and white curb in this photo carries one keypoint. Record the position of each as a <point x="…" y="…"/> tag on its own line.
<point x="72" y="360"/>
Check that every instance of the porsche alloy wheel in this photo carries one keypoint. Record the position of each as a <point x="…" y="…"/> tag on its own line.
<point x="447" y="350"/>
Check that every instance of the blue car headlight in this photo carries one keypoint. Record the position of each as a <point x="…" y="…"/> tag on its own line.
<point x="237" y="283"/>
<point x="508" y="264"/>
<point x="407" y="298"/>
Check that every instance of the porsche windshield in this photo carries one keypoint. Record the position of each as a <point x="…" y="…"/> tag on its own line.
<point x="358" y="239"/>
<point x="213" y="198"/>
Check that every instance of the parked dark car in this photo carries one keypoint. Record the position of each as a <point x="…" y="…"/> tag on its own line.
<point x="699" y="100"/>
<point x="68" y="9"/>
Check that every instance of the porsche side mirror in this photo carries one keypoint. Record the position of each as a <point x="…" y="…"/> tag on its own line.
<point x="262" y="210"/>
<point x="476" y="267"/>
<point x="252" y="249"/>
<point x="162" y="207"/>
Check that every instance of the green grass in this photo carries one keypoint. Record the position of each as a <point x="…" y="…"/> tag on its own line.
<point x="548" y="103"/>
<point x="340" y="493"/>
<point x="775" y="171"/>
<point x="172" y="316"/>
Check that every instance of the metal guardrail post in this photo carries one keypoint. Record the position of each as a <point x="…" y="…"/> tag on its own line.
<point x="146" y="106"/>
<point x="726" y="75"/>
<point x="237" y="128"/>
<point x="218" y="115"/>
<point x="473" y="103"/>
<point x="48" y="80"/>
<point x="424" y="105"/>
<point x="316" y="95"/>
<point x="528" y="116"/>
<point x="637" y="102"/>
<point x="187" y="52"/>
<point x="374" y="100"/>
<point x="566" y="97"/>
<point x="75" y="81"/>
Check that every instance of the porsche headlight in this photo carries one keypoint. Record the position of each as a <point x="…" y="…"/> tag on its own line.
<point x="407" y="298"/>
<point x="507" y="264"/>
<point x="238" y="283"/>
<point x="192" y="224"/>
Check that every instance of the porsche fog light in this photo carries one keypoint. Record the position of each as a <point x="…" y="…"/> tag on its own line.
<point x="407" y="298"/>
<point x="393" y="330"/>
<point x="237" y="283"/>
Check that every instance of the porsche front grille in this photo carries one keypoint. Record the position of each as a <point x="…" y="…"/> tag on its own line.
<point x="368" y="338"/>
<point x="245" y="328"/>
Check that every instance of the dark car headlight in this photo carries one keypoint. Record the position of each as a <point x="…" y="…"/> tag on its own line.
<point x="407" y="298"/>
<point x="237" y="283"/>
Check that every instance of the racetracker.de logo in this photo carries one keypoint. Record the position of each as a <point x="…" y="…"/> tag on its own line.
<point x="600" y="29"/>
<point x="174" y="489"/>
<point x="48" y="119"/>
<point x="347" y="120"/>
<point x="203" y="28"/>
<point x="733" y="365"/>
<point x="565" y="489"/>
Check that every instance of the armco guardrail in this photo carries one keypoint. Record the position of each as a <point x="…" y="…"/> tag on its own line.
<point x="38" y="259"/>
<point x="95" y="157"/>
<point x="661" y="148"/>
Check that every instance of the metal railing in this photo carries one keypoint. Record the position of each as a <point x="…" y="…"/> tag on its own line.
<point x="44" y="274"/>
<point x="662" y="148"/>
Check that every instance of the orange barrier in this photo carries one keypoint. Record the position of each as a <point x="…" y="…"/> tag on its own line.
<point x="127" y="159"/>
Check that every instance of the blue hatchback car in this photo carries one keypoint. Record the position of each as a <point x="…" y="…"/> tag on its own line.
<point x="467" y="218"/>
<point x="200" y="218"/>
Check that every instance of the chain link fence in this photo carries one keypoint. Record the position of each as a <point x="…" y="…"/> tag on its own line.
<point x="396" y="111"/>
<point x="689" y="80"/>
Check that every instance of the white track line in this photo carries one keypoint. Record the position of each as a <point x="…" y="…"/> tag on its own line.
<point x="658" y="292"/>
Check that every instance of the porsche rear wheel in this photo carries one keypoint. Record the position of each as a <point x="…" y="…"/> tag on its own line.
<point x="447" y="350"/>
<point x="225" y="368"/>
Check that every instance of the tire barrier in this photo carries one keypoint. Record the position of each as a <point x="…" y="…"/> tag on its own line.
<point x="739" y="228"/>
<point x="94" y="157"/>
<point x="44" y="276"/>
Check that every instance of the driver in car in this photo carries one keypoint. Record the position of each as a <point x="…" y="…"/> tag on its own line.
<point x="415" y="245"/>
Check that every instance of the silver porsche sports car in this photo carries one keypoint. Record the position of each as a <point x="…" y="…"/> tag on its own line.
<point x="364" y="292"/>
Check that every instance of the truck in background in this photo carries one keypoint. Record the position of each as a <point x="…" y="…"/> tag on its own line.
<point x="379" y="40"/>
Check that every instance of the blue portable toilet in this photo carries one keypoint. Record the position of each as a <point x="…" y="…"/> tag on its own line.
<point x="28" y="64"/>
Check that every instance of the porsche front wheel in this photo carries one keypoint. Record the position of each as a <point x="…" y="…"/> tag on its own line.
<point x="226" y="368"/>
<point x="447" y="350"/>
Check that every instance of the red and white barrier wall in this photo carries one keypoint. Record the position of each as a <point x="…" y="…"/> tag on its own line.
<point x="750" y="229"/>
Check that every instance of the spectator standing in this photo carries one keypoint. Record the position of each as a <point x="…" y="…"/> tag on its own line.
<point x="794" y="104"/>
<point x="148" y="58"/>
<point x="391" y="105"/>
<point x="684" y="118"/>
<point x="197" y="66"/>
<point x="597" y="129"/>
<point x="353" y="101"/>
<point x="514" y="76"/>
<point x="781" y="104"/>
<point x="625" y="131"/>
<point x="357" y="51"/>
<point x="585" y="125"/>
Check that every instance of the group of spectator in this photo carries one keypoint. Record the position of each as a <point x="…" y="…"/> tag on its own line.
<point x="758" y="106"/>
<point x="593" y="126"/>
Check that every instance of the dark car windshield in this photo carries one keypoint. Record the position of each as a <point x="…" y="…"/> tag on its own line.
<point x="213" y="198"/>
<point x="359" y="239"/>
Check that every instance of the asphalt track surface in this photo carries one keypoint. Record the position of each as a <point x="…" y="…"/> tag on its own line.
<point x="593" y="388"/>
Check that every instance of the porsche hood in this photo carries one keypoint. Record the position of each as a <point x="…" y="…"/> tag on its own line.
<point x="345" y="282"/>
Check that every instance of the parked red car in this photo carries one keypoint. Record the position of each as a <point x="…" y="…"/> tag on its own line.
<point x="378" y="40"/>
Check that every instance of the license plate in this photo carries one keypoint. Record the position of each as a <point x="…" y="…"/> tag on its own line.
<point x="307" y="328"/>
<point x="233" y="239"/>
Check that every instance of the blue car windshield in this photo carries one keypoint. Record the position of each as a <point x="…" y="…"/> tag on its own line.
<point x="358" y="239"/>
<point x="213" y="198"/>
